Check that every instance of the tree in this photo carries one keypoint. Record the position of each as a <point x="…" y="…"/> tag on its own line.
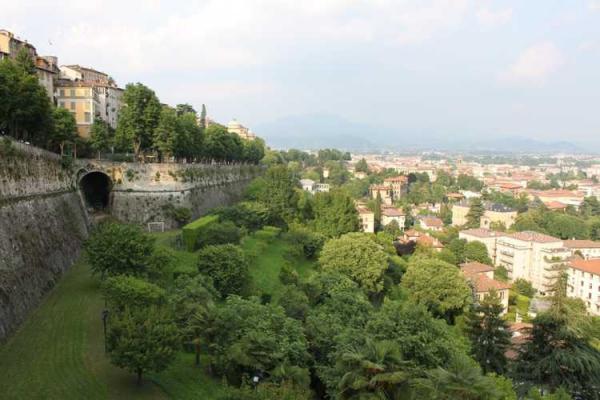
<point x="128" y="291"/>
<point x="373" y="369"/>
<point x="247" y="337"/>
<point x="476" y="211"/>
<point x="219" y="233"/>
<point x="192" y="302"/>
<point x="294" y="302"/>
<point x="203" y="116"/>
<point x="559" y="353"/>
<point x="227" y="266"/>
<point x="138" y="118"/>
<point x="142" y="340"/>
<point x="65" y="128"/>
<point x="477" y="251"/>
<point x="101" y="136"/>
<point x="278" y="193"/>
<point x="165" y="132"/>
<point x="437" y="285"/>
<point x="362" y="166"/>
<point x="189" y="137"/>
<point x="489" y="334"/>
<point x="357" y="256"/>
<point x="335" y="214"/>
<point x="425" y="341"/>
<point x="221" y="145"/>
<point x="253" y="150"/>
<point x="25" y="110"/>
<point x="114" y="249"/>
<point x="462" y="379"/>
<point x="182" y="109"/>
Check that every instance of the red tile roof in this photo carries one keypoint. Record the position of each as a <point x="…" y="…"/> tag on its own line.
<point x="433" y="221"/>
<point x="484" y="284"/>
<point x="581" y="244"/>
<point x="397" y="179"/>
<point x="555" y="205"/>
<point x="591" y="266"/>
<point x="531" y="236"/>
<point x="475" y="268"/>
<point x="483" y="233"/>
<point x="392" y="212"/>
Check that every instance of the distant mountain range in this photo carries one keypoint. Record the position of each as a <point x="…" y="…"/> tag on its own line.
<point x="318" y="131"/>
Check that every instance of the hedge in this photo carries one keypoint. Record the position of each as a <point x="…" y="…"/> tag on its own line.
<point x="192" y="231"/>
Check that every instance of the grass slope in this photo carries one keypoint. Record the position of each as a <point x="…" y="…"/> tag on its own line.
<point x="58" y="353"/>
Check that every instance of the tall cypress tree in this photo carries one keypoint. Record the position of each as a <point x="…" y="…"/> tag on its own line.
<point x="489" y="334"/>
<point x="475" y="213"/>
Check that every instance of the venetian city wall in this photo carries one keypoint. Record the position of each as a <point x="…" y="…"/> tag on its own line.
<point x="44" y="216"/>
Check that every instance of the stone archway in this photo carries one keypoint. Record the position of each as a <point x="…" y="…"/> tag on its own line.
<point x="95" y="187"/>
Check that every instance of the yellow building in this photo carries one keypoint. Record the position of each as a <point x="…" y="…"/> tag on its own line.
<point x="81" y="99"/>
<point x="235" y="127"/>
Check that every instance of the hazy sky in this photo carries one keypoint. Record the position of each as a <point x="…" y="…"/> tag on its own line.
<point x="468" y="68"/>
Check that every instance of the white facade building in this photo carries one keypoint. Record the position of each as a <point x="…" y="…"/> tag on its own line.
<point x="584" y="283"/>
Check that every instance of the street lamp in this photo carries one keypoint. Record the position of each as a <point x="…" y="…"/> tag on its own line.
<point x="104" y="321"/>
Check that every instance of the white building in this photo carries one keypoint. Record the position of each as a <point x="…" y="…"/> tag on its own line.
<point x="530" y="255"/>
<point x="389" y="214"/>
<point x="313" y="187"/>
<point x="584" y="283"/>
<point x="485" y="236"/>
<point x="587" y="249"/>
<point x="482" y="280"/>
<point x="367" y="218"/>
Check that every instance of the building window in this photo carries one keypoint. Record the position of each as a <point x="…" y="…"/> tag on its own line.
<point x="73" y="105"/>
<point x="62" y="92"/>
<point x="87" y="116"/>
<point x="72" y="92"/>
<point x="61" y="104"/>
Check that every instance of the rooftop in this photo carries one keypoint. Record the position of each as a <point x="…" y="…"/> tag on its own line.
<point x="484" y="284"/>
<point x="392" y="212"/>
<point x="474" y="267"/>
<point x="531" y="236"/>
<point x="432" y="221"/>
<point x="483" y="233"/>
<point x="591" y="266"/>
<point x="581" y="244"/>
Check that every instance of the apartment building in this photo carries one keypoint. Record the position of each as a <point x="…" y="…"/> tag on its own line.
<point x="392" y="189"/>
<point x="389" y="214"/>
<point x="46" y="66"/>
<point x="584" y="283"/>
<point x="531" y="255"/>
<point x="494" y="213"/>
<point x="366" y="217"/>
<point x="486" y="236"/>
<point x="88" y="94"/>
<point x="385" y="193"/>
<point x="588" y="249"/>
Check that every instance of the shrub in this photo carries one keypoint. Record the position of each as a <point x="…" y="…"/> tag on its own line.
<point x="226" y="264"/>
<point x="288" y="275"/>
<point x="193" y="230"/>
<point x="524" y="287"/>
<point x="124" y="290"/>
<point x="268" y="233"/>
<point x="248" y="214"/>
<point x="219" y="233"/>
<point x="310" y="241"/>
<point x="181" y="215"/>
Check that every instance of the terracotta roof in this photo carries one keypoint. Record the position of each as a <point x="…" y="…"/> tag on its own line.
<point x="483" y="233"/>
<point x="432" y="221"/>
<point x="555" y="205"/>
<point x="380" y="187"/>
<point x="392" y="212"/>
<point x="581" y="244"/>
<point x="510" y="186"/>
<point x="363" y="210"/>
<point x="484" y="284"/>
<point x="591" y="266"/>
<point x="557" y="193"/>
<point x="397" y="179"/>
<point x="455" y="195"/>
<point x="531" y="236"/>
<point x="475" y="267"/>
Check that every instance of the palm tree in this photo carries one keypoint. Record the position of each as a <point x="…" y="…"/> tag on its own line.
<point x="375" y="371"/>
<point x="462" y="379"/>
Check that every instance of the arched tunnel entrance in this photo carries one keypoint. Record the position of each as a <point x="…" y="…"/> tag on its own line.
<point x="96" y="187"/>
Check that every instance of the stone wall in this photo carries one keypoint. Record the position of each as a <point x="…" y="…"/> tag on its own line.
<point x="143" y="193"/>
<point x="42" y="227"/>
<point x="43" y="218"/>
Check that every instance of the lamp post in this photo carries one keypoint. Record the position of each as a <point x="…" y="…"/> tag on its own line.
<point x="104" y="321"/>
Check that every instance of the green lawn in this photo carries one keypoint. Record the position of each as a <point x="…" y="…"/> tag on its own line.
<point x="522" y="307"/>
<point x="267" y="260"/>
<point x="58" y="353"/>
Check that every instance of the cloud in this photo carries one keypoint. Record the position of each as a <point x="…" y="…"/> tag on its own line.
<point x="594" y="5"/>
<point x="491" y="19"/>
<point x="534" y="65"/>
